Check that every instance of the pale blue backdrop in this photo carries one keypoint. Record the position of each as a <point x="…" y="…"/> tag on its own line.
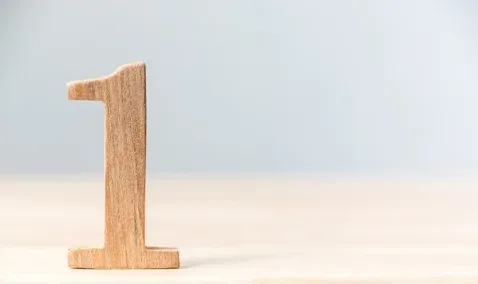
<point x="372" y="87"/>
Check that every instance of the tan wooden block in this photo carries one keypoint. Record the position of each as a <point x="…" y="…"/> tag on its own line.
<point x="124" y="96"/>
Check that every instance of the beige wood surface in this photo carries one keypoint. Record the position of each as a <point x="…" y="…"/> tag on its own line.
<point x="124" y="96"/>
<point x="252" y="231"/>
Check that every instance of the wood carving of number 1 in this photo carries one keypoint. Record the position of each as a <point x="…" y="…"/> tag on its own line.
<point x="124" y="96"/>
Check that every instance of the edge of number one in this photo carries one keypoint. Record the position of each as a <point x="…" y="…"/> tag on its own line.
<point x="124" y="96"/>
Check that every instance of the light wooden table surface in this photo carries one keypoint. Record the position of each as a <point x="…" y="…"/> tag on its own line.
<point x="253" y="231"/>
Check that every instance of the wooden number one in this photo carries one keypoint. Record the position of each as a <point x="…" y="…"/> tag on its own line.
<point x="124" y="96"/>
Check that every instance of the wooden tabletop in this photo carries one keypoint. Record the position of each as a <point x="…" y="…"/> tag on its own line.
<point x="252" y="231"/>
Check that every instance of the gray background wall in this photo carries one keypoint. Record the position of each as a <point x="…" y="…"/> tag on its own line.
<point x="247" y="86"/>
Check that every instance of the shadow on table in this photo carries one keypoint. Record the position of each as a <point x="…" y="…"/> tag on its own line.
<point x="226" y="259"/>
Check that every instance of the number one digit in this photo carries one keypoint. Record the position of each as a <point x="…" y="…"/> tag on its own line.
<point x="124" y="96"/>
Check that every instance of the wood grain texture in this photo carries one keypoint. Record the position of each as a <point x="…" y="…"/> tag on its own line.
<point x="124" y="96"/>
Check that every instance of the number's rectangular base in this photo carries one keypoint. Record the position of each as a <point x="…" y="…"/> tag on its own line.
<point x="100" y="258"/>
